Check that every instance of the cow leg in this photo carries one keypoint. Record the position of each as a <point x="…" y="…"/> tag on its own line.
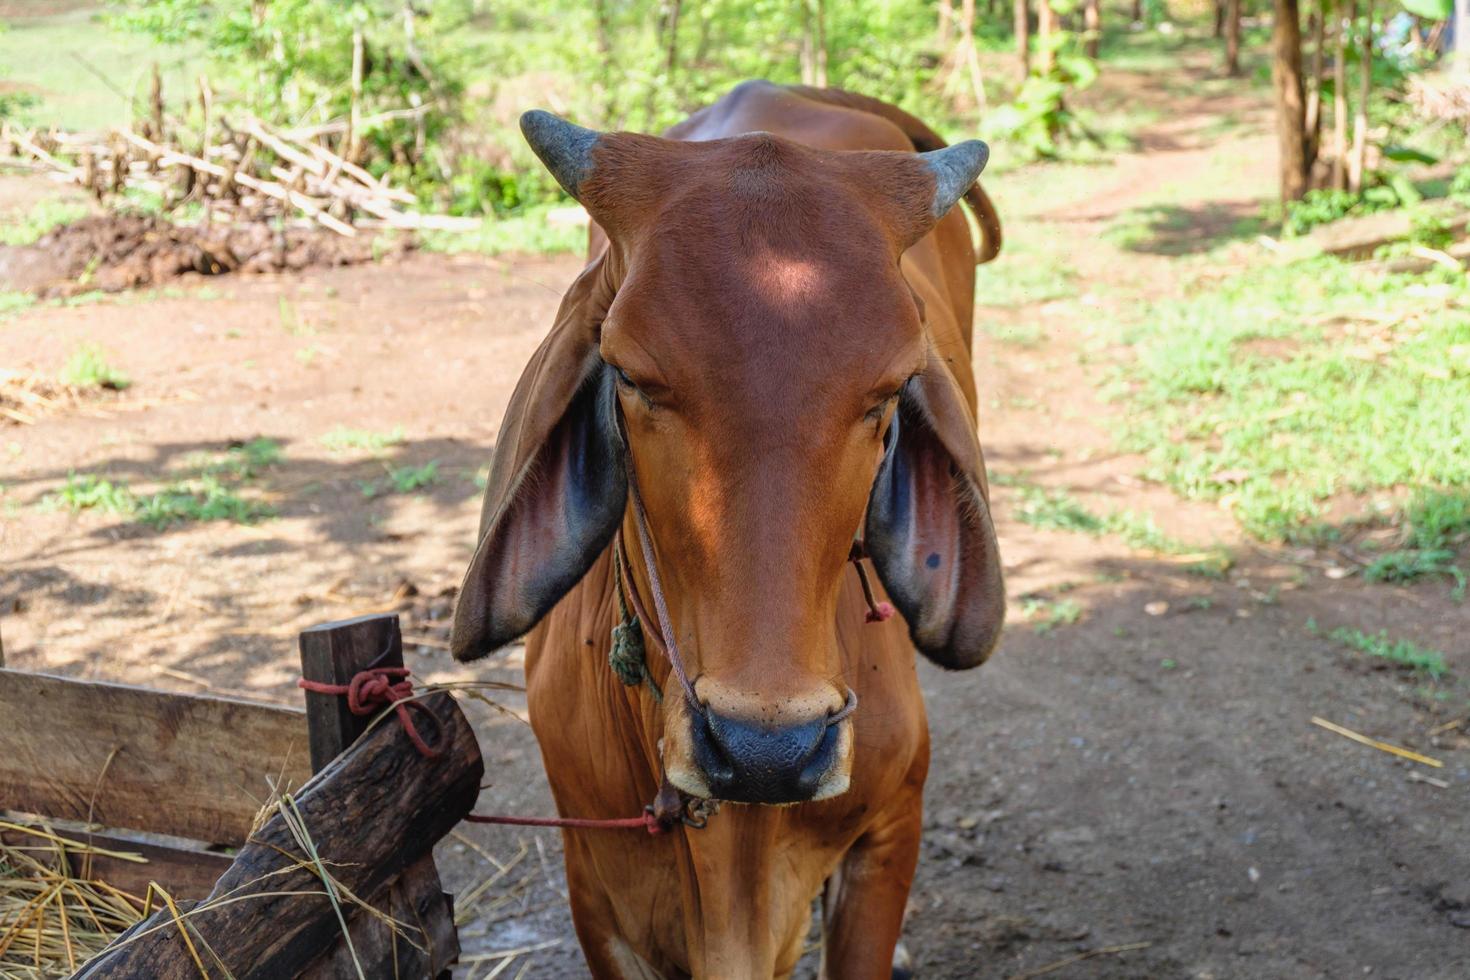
<point x="864" y="900"/>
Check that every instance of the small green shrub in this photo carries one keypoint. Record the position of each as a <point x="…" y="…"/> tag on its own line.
<point x="41" y="218"/>
<point x="86" y="491"/>
<point x="344" y="440"/>
<point x="403" y="479"/>
<point x="202" y="499"/>
<point x="88" y="368"/>
<point x="1404" y="652"/>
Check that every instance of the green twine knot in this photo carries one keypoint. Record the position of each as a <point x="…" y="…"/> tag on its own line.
<point x="627" y="654"/>
<point x="627" y="657"/>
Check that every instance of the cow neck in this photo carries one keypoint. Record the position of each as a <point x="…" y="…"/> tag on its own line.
<point x="663" y="629"/>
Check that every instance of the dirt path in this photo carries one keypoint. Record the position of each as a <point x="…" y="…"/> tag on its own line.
<point x="1146" y="774"/>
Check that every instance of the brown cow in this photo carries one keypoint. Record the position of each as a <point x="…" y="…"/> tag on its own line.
<point x="772" y="343"/>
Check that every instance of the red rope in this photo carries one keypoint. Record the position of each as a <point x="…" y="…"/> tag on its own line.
<point x="647" y="821"/>
<point x="376" y="688"/>
<point x="371" y="690"/>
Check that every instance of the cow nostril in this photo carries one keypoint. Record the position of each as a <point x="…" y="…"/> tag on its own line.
<point x="750" y="763"/>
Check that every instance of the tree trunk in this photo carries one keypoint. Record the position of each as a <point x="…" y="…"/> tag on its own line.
<point x="966" y="52"/>
<point x="1022" y="19"/>
<point x="1135" y="16"/>
<point x="1360" y="119"/>
<point x="1461" y="62"/>
<point x="946" y="24"/>
<point x="1314" y="87"/>
<point x="1092" y="22"/>
<point x="1339" y="97"/>
<point x="1232" y="38"/>
<point x="1219" y="29"/>
<point x="1286" y="77"/>
<point x="1046" y="26"/>
<point x="814" y="44"/>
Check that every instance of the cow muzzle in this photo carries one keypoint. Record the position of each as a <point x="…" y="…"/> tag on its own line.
<point x="755" y="757"/>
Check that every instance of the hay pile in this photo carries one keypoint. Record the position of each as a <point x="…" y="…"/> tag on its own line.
<point x="52" y="919"/>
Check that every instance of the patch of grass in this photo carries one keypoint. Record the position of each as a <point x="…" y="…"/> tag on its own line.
<point x="42" y="217"/>
<point x="1023" y="276"/>
<point x="87" y="491"/>
<point x="1412" y="563"/>
<point x="246" y="460"/>
<point x="209" y="493"/>
<point x="206" y="498"/>
<point x="1058" y="510"/>
<point x="1437" y="518"/>
<point x="1048" y="614"/>
<point x="526" y="233"/>
<point x="88" y="368"/>
<point x="344" y="440"/>
<point x="403" y="479"/>
<point x="1403" y="652"/>
<point x="85" y="74"/>
<point x="12" y="302"/>
<point x="1285" y="386"/>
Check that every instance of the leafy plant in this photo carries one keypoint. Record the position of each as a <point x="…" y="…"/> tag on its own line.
<point x="342" y="440"/>
<point x="1403" y="652"/>
<point x="88" y="368"/>
<point x="42" y="217"/>
<point x="86" y="491"/>
<point x="403" y="479"/>
<point x="1412" y="563"/>
<point x="206" y="498"/>
<point x="1048" y="614"/>
<point x="1038" y="119"/>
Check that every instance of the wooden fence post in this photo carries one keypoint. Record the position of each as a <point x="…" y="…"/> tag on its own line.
<point x="332" y="653"/>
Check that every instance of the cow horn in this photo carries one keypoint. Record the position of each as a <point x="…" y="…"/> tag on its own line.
<point x="566" y="149"/>
<point x="955" y="169"/>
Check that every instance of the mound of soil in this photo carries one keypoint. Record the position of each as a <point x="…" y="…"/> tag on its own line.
<point x="113" y="252"/>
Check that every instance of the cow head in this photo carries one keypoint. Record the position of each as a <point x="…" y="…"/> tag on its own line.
<point x="747" y="344"/>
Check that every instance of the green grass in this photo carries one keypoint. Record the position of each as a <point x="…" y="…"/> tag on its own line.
<point x="1403" y="652"/>
<point x="209" y="491"/>
<point x="403" y="479"/>
<point x="49" y="56"/>
<point x="12" y="302"/>
<point x="344" y="440"/>
<point x="1048" y="614"/>
<point x="86" y="491"/>
<point x="1058" y="510"/>
<point x="43" y="216"/>
<point x="1267" y="390"/>
<point x="205" y="498"/>
<point x="1024" y="275"/>
<point x="88" y="368"/>
<point x="526" y="233"/>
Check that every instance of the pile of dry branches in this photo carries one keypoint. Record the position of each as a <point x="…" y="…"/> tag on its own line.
<point x="236" y="166"/>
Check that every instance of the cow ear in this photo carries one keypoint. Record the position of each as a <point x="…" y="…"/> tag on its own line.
<point x="557" y="484"/>
<point x="929" y="529"/>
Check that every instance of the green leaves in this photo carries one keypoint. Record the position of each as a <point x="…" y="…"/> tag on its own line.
<point x="1430" y="9"/>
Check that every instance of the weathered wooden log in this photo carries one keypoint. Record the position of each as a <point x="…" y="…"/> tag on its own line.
<point x="373" y="812"/>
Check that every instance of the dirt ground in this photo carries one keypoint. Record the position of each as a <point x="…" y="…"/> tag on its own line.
<point x="1139" y="793"/>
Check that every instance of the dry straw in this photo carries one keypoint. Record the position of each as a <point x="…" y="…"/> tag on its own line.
<point x="51" y="920"/>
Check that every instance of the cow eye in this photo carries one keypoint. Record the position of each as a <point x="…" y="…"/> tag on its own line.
<point x="875" y="414"/>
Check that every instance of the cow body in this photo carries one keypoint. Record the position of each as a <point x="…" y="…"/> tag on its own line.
<point x="733" y="899"/>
